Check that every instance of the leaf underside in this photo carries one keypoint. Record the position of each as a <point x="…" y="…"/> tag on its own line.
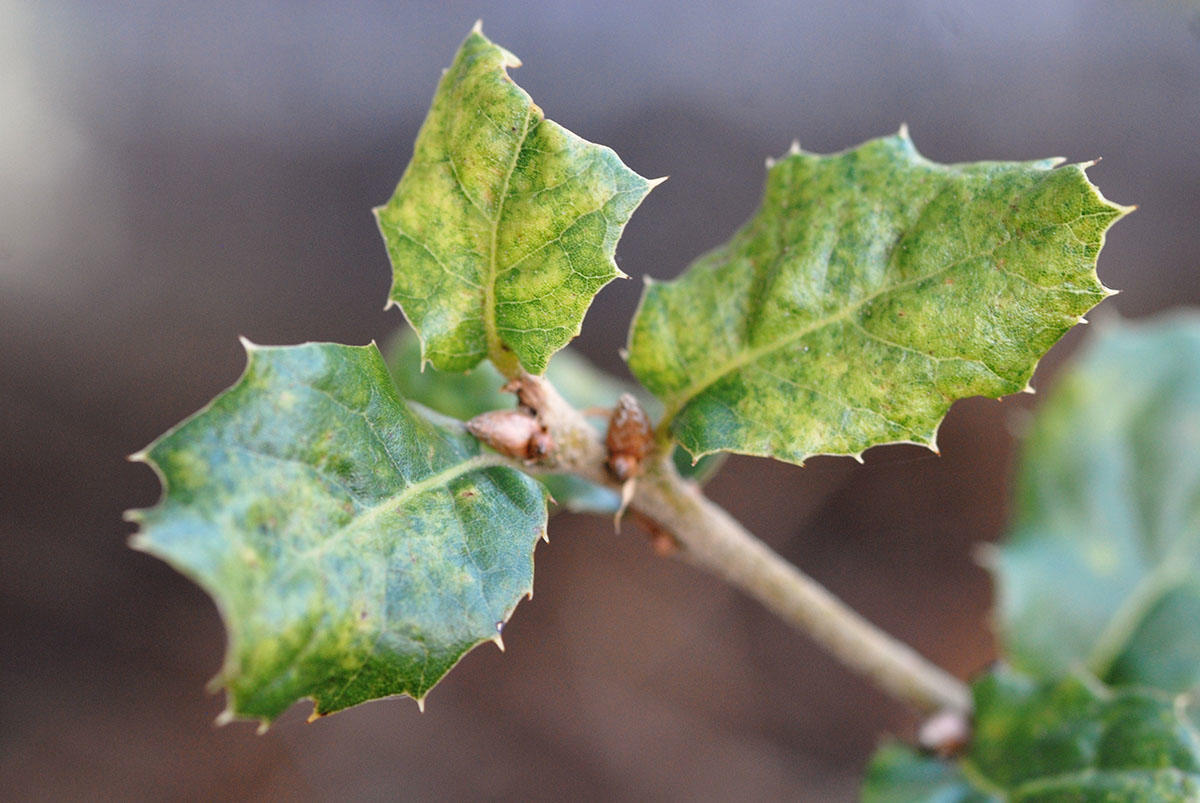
<point x="354" y="548"/>
<point x="871" y="290"/>
<point x="504" y="225"/>
<point x="1059" y="741"/>
<point x="1102" y="567"/>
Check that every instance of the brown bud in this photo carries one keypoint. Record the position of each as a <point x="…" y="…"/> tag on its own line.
<point x="629" y="438"/>
<point x="512" y="432"/>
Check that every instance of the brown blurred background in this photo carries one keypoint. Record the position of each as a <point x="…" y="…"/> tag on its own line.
<point x="173" y="175"/>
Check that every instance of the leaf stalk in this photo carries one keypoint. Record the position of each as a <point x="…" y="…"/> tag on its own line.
<point x="714" y="541"/>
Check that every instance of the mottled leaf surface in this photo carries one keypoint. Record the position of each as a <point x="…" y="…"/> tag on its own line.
<point x="872" y="289"/>
<point x="465" y="395"/>
<point x="1102" y="567"/>
<point x="354" y="548"/>
<point x="504" y="225"/>
<point x="1065" y="740"/>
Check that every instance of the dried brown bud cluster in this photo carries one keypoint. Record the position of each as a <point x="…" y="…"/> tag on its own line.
<point x="515" y="433"/>
<point x="629" y="438"/>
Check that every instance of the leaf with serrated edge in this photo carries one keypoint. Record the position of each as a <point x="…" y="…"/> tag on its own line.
<point x="871" y="290"/>
<point x="504" y="225"/>
<point x="1069" y="739"/>
<point x="1103" y="564"/>
<point x="354" y="548"/>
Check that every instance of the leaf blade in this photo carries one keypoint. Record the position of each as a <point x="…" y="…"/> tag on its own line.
<point x="1064" y="739"/>
<point x="505" y="224"/>
<point x="850" y="294"/>
<point x="1107" y="515"/>
<point x="354" y="549"/>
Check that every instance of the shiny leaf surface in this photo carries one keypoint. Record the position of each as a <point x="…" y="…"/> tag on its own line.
<point x="355" y="549"/>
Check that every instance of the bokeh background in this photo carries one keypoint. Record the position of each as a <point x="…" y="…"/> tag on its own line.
<point x="173" y="175"/>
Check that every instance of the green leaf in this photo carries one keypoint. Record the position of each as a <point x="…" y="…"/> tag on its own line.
<point x="872" y="289"/>
<point x="504" y="225"/>
<point x="466" y="395"/>
<point x="354" y="548"/>
<point x="1066" y="740"/>
<point x="1103" y="564"/>
<point x="899" y="774"/>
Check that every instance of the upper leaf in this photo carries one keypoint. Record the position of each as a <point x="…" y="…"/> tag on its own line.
<point x="1103" y="564"/>
<point x="504" y="225"/>
<point x="1059" y="741"/>
<point x="354" y="549"/>
<point x="871" y="290"/>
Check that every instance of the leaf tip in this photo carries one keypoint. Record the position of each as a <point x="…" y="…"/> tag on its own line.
<point x="498" y="640"/>
<point x="794" y="148"/>
<point x="858" y="457"/>
<point x="224" y="718"/>
<point x="902" y="132"/>
<point x="140" y="456"/>
<point x="478" y="27"/>
<point x="1029" y="387"/>
<point x="264" y="725"/>
<point x="546" y="538"/>
<point x="248" y="345"/>
<point x="420" y="703"/>
<point x="770" y="162"/>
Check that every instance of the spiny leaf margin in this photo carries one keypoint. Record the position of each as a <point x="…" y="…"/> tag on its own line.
<point x="354" y="548"/>
<point x="820" y="328"/>
<point x="504" y="225"/>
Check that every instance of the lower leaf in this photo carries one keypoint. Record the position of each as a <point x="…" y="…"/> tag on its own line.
<point x="1063" y="740"/>
<point x="355" y="548"/>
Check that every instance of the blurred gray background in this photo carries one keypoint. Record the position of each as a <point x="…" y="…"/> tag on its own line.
<point x="173" y="175"/>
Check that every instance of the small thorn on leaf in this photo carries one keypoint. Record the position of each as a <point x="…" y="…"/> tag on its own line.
<point x="498" y="641"/>
<point x="263" y="727"/>
<point x="627" y="491"/>
<point x="223" y="718"/>
<point x="421" y="704"/>
<point x="794" y="148"/>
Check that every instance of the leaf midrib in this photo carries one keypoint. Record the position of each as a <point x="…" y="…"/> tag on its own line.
<point x="680" y="400"/>
<point x="502" y="359"/>
<point x="391" y="503"/>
